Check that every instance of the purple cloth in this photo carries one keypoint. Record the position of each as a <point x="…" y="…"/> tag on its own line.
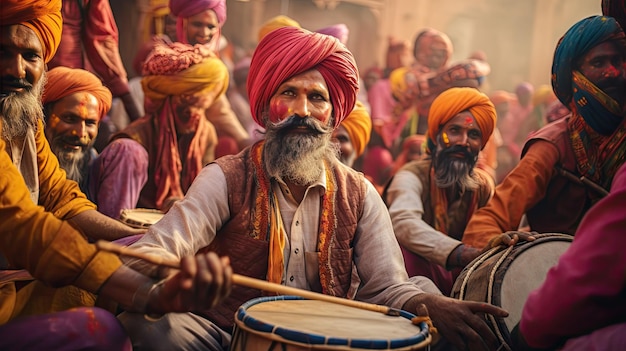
<point x="117" y="177"/>
<point x="585" y="291"/>
<point x="82" y="328"/>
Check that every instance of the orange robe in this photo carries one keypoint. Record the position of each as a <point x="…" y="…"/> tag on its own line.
<point x="35" y="239"/>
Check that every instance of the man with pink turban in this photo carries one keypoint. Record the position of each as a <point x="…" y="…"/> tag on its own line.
<point x="287" y="211"/>
<point x="431" y="200"/>
<point x="75" y="101"/>
<point x="45" y="219"/>
<point x="201" y="22"/>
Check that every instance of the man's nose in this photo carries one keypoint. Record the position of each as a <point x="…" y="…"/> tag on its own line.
<point x="80" y="130"/>
<point x="301" y="107"/>
<point x="16" y="67"/>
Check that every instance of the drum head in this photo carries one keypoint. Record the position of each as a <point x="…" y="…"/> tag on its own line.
<point x="311" y="322"/>
<point x="140" y="217"/>
<point x="525" y="279"/>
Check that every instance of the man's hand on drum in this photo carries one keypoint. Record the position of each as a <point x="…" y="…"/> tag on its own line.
<point x="509" y="238"/>
<point x="202" y="282"/>
<point x="461" y="323"/>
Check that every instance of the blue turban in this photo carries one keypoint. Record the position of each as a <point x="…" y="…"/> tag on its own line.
<point x="577" y="41"/>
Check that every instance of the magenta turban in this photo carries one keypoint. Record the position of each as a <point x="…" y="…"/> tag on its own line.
<point x="289" y="51"/>
<point x="339" y="31"/>
<point x="188" y="8"/>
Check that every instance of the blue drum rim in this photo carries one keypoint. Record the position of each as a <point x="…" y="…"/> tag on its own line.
<point x="316" y="339"/>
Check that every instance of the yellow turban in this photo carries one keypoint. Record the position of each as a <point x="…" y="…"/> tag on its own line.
<point x="42" y="16"/>
<point x="358" y="124"/>
<point x="179" y="69"/>
<point x="275" y="23"/>
<point x="456" y="100"/>
<point x="398" y="81"/>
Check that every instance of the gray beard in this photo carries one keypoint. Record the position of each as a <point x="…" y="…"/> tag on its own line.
<point x="452" y="172"/>
<point x="298" y="158"/>
<point x="20" y="112"/>
<point x="71" y="162"/>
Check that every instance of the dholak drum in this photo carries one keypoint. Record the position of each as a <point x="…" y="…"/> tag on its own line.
<point x="293" y="323"/>
<point x="505" y="277"/>
<point x="140" y="217"/>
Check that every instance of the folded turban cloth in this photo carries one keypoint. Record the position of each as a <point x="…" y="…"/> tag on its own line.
<point x="456" y="100"/>
<point x="42" y="16"/>
<point x="577" y="41"/>
<point x="63" y="81"/>
<point x="289" y="51"/>
<point x="358" y="124"/>
<point x="188" y="8"/>
<point x="180" y="69"/>
<point x="275" y="23"/>
<point x="339" y="31"/>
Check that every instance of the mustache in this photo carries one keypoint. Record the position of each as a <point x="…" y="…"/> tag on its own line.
<point x="16" y="82"/>
<point x="296" y="121"/>
<point x="72" y="140"/>
<point x="457" y="149"/>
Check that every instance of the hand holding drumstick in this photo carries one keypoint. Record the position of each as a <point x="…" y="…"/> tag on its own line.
<point x="243" y="280"/>
<point x="199" y="283"/>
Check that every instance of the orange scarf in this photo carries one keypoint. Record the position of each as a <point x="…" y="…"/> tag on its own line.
<point x="171" y="176"/>
<point x="268" y="222"/>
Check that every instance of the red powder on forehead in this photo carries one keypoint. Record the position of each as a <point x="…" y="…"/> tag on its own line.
<point x="468" y="120"/>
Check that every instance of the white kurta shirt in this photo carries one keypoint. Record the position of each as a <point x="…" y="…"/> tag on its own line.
<point x="193" y="222"/>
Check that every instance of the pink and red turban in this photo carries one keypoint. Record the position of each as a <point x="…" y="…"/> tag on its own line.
<point x="289" y="51"/>
<point x="63" y="81"/>
<point x="456" y="100"/>
<point x="188" y="8"/>
<point x="42" y="16"/>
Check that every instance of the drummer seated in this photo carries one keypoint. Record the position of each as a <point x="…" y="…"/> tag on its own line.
<point x="581" y="304"/>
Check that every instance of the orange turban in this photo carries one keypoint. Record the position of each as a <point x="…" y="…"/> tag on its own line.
<point x="275" y="23"/>
<point x="289" y="51"/>
<point x="456" y="100"/>
<point x="42" y="16"/>
<point x="358" y="124"/>
<point x="64" y="81"/>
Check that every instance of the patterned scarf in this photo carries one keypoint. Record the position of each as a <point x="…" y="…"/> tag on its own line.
<point x="268" y="223"/>
<point x="171" y="176"/>
<point x="600" y="111"/>
<point x="597" y="156"/>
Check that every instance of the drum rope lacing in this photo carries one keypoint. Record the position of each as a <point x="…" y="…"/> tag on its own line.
<point x="491" y="279"/>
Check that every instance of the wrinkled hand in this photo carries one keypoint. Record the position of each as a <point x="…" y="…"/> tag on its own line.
<point x="203" y="281"/>
<point x="509" y="238"/>
<point x="462" y="323"/>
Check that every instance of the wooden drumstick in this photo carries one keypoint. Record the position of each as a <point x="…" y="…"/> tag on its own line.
<point x="250" y="282"/>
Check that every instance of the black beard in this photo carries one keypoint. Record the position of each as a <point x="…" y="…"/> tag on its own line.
<point x="453" y="171"/>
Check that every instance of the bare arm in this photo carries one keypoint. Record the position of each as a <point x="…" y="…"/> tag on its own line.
<point x="96" y="225"/>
